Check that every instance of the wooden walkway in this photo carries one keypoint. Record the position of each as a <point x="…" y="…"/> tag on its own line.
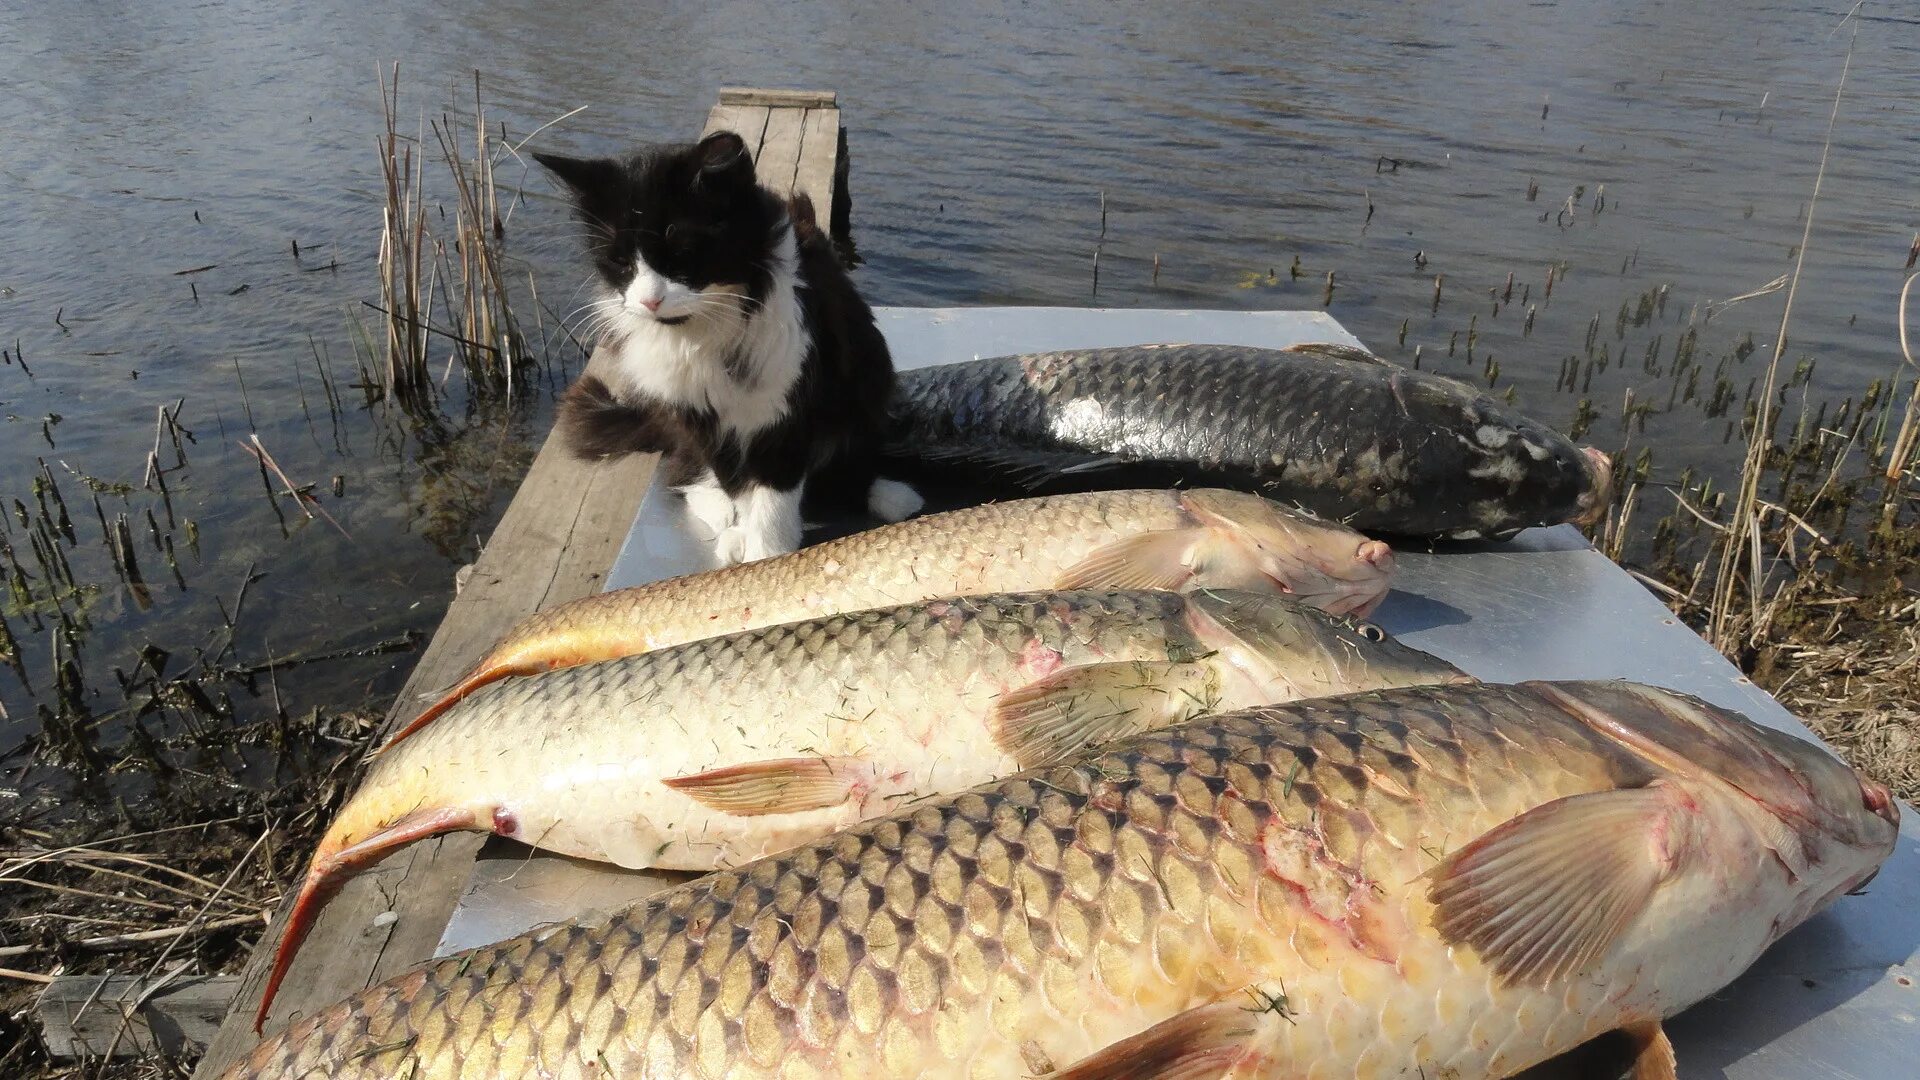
<point x="554" y="544"/>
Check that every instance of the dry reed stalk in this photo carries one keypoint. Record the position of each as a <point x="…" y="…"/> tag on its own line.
<point x="1743" y="531"/>
<point x="1903" y="442"/>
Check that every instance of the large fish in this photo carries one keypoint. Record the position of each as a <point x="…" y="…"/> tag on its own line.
<point x="1447" y="882"/>
<point x="1330" y="428"/>
<point x="1179" y="540"/>
<point x="719" y="751"/>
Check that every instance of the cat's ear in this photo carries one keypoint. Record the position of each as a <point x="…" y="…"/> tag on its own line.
<point x="585" y="176"/>
<point x="724" y="164"/>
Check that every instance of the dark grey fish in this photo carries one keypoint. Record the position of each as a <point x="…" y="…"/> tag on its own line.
<point x="1327" y="427"/>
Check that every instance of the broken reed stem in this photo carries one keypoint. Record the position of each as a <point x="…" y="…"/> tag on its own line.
<point x="1744" y="525"/>
<point x="300" y="498"/>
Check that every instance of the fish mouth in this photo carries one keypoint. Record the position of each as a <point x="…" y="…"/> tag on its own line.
<point x="1592" y="504"/>
<point x="1878" y="799"/>
<point x="1355" y="589"/>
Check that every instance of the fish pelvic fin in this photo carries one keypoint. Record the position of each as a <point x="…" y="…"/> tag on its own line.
<point x="777" y="786"/>
<point x="332" y="865"/>
<point x="1653" y="1055"/>
<point x="1547" y="894"/>
<point x="1077" y="707"/>
<point x="1202" y="1043"/>
<point x="1149" y="560"/>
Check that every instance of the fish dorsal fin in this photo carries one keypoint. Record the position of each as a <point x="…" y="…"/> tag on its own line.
<point x="1149" y="560"/>
<point x="1333" y="350"/>
<point x="1548" y="893"/>
<point x="1077" y="707"/>
<point x="1653" y="1054"/>
<point x="776" y="786"/>
<point x="1199" y="1044"/>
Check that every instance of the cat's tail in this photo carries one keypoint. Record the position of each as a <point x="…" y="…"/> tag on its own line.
<point x="596" y="424"/>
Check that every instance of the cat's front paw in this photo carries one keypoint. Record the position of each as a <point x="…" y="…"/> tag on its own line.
<point x="740" y="543"/>
<point x="730" y="547"/>
<point x="891" y="500"/>
<point x="710" y="505"/>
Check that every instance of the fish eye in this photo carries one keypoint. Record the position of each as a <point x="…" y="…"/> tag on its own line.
<point x="1370" y="632"/>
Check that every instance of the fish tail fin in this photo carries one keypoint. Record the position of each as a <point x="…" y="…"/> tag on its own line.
<point x="338" y="858"/>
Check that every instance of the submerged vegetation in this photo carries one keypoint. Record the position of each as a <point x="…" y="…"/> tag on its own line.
<point x="163" y="799"/>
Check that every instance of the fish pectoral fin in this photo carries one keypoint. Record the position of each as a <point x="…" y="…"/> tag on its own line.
<point x="1200" y="1044"/>
<point x="1653" y="1054"/>
<point x="1150" y="560"/>
<point x="1546" y="894"/>
<point x="1077" y="707"/>
<point x="776" y="786"/>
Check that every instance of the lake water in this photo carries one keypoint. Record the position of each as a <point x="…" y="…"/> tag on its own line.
<point x="1634" y="147"/>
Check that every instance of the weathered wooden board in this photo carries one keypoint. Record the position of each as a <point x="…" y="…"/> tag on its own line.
<point x="791" y="99"/>
<point x="127" y="1016"/>
<point x="555" y="543"/>
<point x="747" y="121"/>
<point x="819" y="156"/>
<point x="779" y="157"/>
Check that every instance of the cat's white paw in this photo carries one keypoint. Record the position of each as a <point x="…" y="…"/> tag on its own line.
<point x="730" y="547"/>
<point x="769" y="522"/>
<point x="707" y="501"/>
<point x="891" y="500"/>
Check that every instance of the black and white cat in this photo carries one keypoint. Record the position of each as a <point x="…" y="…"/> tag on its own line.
<point x="739" y="345"/>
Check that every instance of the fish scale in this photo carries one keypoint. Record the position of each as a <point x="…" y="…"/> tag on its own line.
<point x="1329" y="428"/>
<point x="661" y="760"/>
<point x="1179" y="903"/>
<point x="1118" y="539"/>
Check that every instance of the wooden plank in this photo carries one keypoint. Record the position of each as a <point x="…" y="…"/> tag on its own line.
<point x="747" y="121"/>
<point x="90" y="1015"/>
<point x="554" y="543"/>
<point x="819" y="154"/>
<point x="791" y="99"/>
<point x="779" y="156"/>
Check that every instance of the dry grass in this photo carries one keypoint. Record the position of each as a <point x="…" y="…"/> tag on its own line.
<point x="188" y="886"/>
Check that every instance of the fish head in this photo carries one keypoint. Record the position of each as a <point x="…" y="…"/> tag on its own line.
<point x="1274" y="648"/>
<point x="1824" y="824"/>
<point x="1255" y="543"/>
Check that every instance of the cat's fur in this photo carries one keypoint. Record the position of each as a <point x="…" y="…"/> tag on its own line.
<point x="738" y="345"/>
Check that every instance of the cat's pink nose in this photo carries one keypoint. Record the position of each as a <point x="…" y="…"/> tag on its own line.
<point x="650" y="305"/>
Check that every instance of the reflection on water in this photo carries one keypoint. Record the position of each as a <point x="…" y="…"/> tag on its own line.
<point x="191" y="192"/>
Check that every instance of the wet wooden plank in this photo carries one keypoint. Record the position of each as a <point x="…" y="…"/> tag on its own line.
<point x="126" y="1016"/>
<point x="791" y="99"/>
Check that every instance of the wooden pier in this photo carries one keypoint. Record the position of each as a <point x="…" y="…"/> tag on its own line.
<point x="554" y="544"/>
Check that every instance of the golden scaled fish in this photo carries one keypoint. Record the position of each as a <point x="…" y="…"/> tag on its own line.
<point x="720" y="751"/>
<point x="1178" y="540"/>
<point x="1455" y="881"/>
